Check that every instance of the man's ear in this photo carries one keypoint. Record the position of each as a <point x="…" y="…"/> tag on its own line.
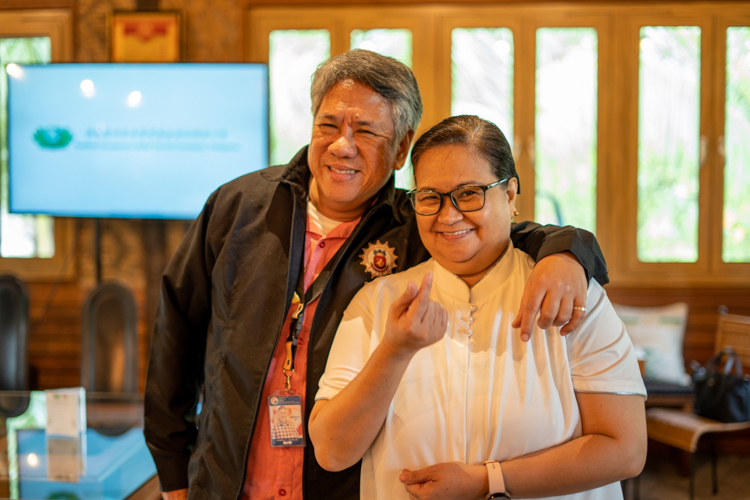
<point x="403" y="150"/>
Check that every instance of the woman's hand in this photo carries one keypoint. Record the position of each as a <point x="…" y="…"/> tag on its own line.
<point x="414" y="321"/>
<point x="343" y="428"/>
<point x="446" y="481"/>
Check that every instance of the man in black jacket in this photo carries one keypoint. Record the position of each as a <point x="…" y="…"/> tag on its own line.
<point x="308" y="234"/>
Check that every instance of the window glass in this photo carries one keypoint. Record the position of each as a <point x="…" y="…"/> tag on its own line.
<point x="482" y="75"/>
<point x="566" y="123"/>
<point x="20" y="235"/>
<point x="736" y="246"/>
<point x="395" y="43"/>
<point x="668" y="143"/>
<point x="293" y="56"/>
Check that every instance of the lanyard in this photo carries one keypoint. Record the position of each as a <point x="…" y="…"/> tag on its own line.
<point x="298" y="316"/>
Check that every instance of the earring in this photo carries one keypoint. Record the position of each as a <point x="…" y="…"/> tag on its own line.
<point x="515" y="213"/>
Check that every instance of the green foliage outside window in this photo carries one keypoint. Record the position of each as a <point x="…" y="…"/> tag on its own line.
<point x="293" y="56"/>
<point x="668" y="143"/>
<point x="736" y="241"/>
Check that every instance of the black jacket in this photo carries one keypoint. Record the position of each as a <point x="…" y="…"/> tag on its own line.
<point x="224" y="298"/>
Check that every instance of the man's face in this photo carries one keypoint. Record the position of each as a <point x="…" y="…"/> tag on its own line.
<point x="282" y="415"/>
<point x="353" y="150"/>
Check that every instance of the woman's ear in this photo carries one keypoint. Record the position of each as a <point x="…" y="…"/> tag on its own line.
<point x="511" y="191"/>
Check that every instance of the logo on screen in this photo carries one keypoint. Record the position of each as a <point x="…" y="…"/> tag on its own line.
<point x="53" y="138"/>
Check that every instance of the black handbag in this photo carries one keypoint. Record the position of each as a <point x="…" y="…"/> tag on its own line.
<point x="719" y="394"/>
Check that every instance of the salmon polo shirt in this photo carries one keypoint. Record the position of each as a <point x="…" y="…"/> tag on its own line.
<point x="276" y="473"/>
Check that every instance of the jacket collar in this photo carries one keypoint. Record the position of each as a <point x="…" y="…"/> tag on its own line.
<point x="297" y="175"/>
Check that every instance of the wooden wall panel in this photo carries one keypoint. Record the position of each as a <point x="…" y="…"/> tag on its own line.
<point x="55" y="337"/>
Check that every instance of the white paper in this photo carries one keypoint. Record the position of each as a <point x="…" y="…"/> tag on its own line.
<point x="66" y="412"/>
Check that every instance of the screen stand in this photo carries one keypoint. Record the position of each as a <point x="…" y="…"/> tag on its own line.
<point x="98" y="249"/>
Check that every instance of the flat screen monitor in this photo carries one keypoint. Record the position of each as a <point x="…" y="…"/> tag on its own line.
<point x="132" y="140"/>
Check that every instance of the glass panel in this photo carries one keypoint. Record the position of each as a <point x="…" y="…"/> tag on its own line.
<point x="566" y="121"/>
<point x="668" y="143"/>
<point x="20" y="235"/>
<point x="293" y="56"/>
<point x="482" y="75"/>
<point x="737" y="148"/>
<point x="395" y="43"/>
<point x="392" y="43"/>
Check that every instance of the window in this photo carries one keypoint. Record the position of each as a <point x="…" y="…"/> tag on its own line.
<point x="20" y="235"/>
<point x="736" y="227"/>
<point x="394" y="43"/>
<point x="482" y="75"/>
<point x="630" y="120"/>
<point x="39" y="247"/>
<point x="566" y="127"/>
<point x="293" y="56"/>
<point x="668" y="143"/>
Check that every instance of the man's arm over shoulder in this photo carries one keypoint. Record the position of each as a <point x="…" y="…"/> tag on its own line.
<point x="541" y="241"/>
<point x="175" y="371"/>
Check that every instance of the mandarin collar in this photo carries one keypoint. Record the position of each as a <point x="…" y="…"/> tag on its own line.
<point x="482" y="290"/>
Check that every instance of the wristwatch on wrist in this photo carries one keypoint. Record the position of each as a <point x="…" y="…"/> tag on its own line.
<point x="496" y="480"/>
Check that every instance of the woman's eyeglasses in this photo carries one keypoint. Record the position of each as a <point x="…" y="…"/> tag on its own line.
<point x="464" y="198"/>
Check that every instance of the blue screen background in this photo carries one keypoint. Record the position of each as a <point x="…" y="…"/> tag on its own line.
<point x="196" y="127"/>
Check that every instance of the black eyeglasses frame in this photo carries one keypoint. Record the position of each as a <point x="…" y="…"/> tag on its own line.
<point x="413" y="193"/>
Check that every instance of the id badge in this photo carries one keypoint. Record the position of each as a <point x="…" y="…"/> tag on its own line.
<point x="286" y="419"/>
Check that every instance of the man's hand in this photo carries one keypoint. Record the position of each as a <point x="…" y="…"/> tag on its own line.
<point x="414" y="321"/>
<point x="174" y="494"/>
<point x="557" y="284"/>
<point x="446" y="481"/>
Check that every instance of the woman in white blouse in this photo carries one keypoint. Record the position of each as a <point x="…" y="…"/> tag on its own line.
<point x="427" y="384"/>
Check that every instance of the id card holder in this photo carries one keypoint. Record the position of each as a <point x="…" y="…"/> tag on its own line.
<point x="286" y="419"/>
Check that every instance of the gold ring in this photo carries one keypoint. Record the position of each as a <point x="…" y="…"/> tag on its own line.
<point x="579" y="308"/>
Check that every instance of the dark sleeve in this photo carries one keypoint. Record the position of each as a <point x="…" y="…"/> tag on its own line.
<point x="541" y="241"/>
<point x="178" y="345"/>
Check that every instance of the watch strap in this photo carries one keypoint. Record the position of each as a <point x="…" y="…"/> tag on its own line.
<point x="495" y="479"/>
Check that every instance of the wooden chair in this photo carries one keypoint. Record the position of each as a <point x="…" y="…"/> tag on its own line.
<point x="109" y="355"/>
<point x="683" y="430"/>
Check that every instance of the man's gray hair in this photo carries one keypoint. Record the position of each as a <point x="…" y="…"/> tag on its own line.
<point x="385" y="75"/>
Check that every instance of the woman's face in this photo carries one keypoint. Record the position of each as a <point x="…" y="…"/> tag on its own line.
<point x="464" y="243"/>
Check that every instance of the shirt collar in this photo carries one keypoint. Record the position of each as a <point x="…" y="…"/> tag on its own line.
<point x="456" y="287"/>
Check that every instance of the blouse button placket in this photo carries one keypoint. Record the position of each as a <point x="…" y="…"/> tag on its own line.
<point x="470" y="319"/>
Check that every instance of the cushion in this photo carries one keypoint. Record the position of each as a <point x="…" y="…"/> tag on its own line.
<point x="658" y="332"/>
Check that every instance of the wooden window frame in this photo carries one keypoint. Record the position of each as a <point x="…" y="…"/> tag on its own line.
<point x="708" y="270"/>
<point x="340" y="21"/>
<point x="618" y="28"/>
<point x="722" y="23"/>
<point x="58" y="25"/>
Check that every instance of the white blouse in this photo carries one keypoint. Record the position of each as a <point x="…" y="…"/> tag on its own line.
<point x="480" y="393"/>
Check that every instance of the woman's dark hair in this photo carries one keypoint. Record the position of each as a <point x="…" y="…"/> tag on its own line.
<point x="481" y="136"/>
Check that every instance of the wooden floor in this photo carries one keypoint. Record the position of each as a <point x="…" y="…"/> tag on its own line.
<point x="661" y="480"/>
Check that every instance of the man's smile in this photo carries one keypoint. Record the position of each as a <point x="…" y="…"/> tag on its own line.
<point x="340" y="170"/>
